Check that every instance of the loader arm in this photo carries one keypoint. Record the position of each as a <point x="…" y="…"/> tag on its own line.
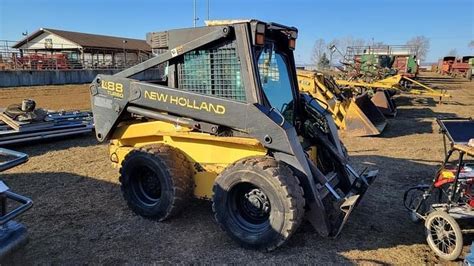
<point x="203" y="113"/>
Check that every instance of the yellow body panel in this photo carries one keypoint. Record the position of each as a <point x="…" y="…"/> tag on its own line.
<point x="347" y="114"/>
<point x="313" y="83"/>
<point x="208" y="153"/>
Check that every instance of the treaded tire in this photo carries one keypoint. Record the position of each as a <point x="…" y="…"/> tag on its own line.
<point x="156" y="181"/>
<point x="435" y="218"/>
<point x="277" y="182"/>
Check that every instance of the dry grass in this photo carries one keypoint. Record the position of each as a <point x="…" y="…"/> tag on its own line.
<point x="56" y="97"/>
<point x="79" y="215"/>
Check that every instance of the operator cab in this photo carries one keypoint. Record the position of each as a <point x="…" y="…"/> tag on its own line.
<point x="254" y="64"/>
<point x="273" y="49"/>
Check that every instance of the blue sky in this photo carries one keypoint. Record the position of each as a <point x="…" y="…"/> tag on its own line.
<point x="448" y="24"/>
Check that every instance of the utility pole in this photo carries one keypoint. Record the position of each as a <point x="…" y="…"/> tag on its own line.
<point x="124" y="53"/>
<point x="27" y="48"/>
<point x="194" y="14"/>
<point x="208" y="8"/>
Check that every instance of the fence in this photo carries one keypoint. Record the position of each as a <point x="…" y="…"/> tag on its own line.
<point x="67" y="57"/>
<point x="18" y="78"/>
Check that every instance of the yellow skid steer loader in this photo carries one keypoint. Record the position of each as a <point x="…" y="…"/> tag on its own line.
<point x="227" y="123"/>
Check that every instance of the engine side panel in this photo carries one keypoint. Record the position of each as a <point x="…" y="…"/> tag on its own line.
<point x="209" y="154"/>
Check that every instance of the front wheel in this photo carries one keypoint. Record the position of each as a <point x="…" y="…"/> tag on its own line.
<point x="156" y="181"/>
<point x="258" y="202"/>
<point x="443" y="235"/>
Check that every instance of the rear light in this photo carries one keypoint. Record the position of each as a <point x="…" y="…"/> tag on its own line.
<point x="259" y="39"/>
<point x="261" y="28"/>
<point x="292" y="35"/>
<point x="260" y="34"/>
<point x="292" y="44"/>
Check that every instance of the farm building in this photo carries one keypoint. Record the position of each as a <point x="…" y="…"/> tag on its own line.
<point x="81" y="50"/>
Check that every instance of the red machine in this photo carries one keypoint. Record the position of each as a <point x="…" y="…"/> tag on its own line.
<point x="44" y="61"/>
<point x="461" y="66"/>
<point x="447" y="176"/>
<point x="406" y="66"/>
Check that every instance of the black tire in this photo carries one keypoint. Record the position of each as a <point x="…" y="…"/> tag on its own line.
<point x="258" y="202"/>
<point x="439" y="224"/>
<point x="156" y="181"/>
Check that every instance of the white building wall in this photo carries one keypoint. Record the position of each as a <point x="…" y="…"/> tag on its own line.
<point x="42" y="42"/>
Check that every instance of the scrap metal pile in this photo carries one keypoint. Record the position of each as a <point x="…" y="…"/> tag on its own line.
<point x="359" y="95"/>
<point x="384" y="68"/>
<point x="24" y="123"/>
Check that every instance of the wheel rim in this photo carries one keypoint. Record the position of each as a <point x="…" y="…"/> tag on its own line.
<point x="250" y="207"/>
<point x="146" y="185"/>
<point x="442" y="235"/>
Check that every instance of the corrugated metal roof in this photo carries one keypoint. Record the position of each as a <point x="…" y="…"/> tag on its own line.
<point x="87" y="40"/>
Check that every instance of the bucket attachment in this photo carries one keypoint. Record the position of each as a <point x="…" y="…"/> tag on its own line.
<point x="383" y="100"/>
<point x="363" y="118"/>
<point x="348" y="204"/>
<point x="346" y="208"/>
<point x="355" y="114"/>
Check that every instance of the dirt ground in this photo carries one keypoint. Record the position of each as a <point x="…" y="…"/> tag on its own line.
<point x="49" y="97"/>
<point x="80" y="217"/>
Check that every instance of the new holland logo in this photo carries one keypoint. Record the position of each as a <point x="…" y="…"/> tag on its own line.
<point x="185" y="102"/>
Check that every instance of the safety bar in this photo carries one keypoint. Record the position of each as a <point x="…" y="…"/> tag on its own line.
<point x="25" y="202"/>
<point x="440" y="120"/>
<point x="19" y="158"/>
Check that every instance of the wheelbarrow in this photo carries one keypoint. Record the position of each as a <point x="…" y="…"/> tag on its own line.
<point x="12" y="234"/>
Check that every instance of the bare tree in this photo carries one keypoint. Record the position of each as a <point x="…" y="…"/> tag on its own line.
<point x="453" y="52"/>
<point x="379" y="45"/>
<point x="421" y="44"/>
<point x="350" y="41"/>
<point x="319" y="49"/>
<point x="471" y="44"/>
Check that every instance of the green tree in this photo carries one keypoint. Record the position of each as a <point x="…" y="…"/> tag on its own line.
<point x="323" y="62"/>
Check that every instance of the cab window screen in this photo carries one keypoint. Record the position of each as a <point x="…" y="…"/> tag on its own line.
<point x="214" y="71"/>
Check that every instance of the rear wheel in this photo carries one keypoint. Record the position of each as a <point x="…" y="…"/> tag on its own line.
<point x="156" y="181"/>
<point x="258" y="202"/>
<point x="443" y="235"/>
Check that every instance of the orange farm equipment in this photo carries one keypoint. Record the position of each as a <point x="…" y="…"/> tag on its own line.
<point x="445" y="64"/>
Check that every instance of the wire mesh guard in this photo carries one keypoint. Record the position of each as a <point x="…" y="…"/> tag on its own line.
<point x="214" y="71"/>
